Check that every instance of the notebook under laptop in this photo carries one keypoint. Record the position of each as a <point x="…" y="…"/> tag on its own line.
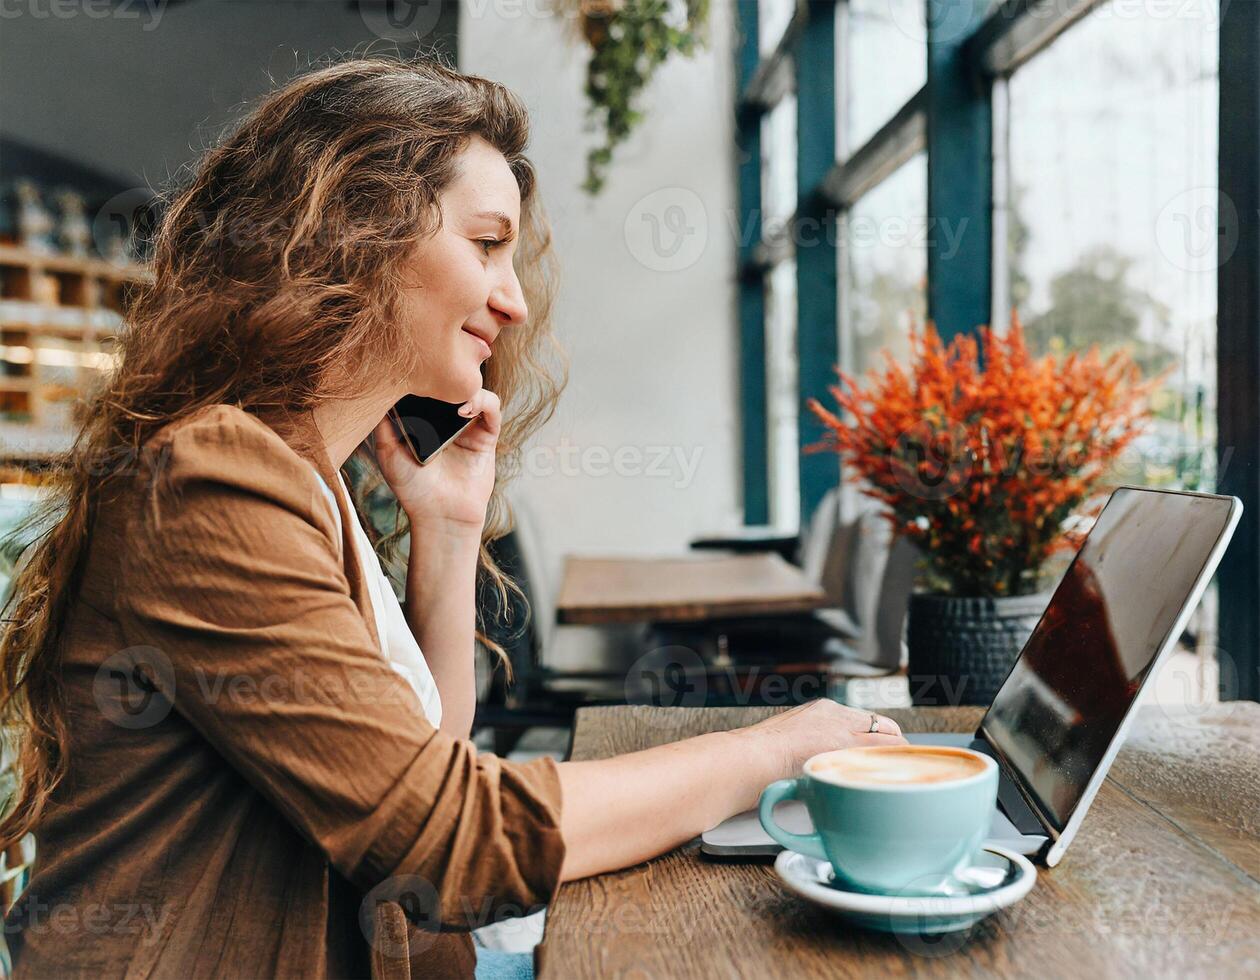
<point x="1061" y="714"/>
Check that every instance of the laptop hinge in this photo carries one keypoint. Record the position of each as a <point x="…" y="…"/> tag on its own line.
<point x="1013" y="798"/>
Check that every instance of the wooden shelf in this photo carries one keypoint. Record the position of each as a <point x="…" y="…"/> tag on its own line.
<point x="58" y="321"/>
<point x="27" y="442"/>
<point x="59" y="316"/>
<point x="17" y="257"/>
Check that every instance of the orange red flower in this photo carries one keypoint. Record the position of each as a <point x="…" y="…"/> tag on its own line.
<point x="980" y="450"/>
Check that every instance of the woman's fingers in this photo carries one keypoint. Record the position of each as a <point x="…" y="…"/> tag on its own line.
<point x="859" y="720"/>
<point x="485" y="403"/>
<point x="384" y="433"/>
<point x="820" y="726"/>
<point x="868" y="739"/>
<point x="385" y="442"/>
<point x="887" y="731"/>
<point x="887" y="726"/>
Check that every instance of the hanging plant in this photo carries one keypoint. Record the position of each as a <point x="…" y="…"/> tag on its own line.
<point x="629" y="40"/>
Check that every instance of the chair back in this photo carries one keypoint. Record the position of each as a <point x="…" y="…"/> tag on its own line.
<point x="822" y="547"/>
<point x="537" y="582"/>
<point x="878" y="578"/>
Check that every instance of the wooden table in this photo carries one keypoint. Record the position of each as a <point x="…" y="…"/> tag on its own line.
<point x="1162" y="880"/>
<point x="683" y="588"/>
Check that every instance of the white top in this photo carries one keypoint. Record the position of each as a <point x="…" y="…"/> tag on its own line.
<point x="398" y="643"/>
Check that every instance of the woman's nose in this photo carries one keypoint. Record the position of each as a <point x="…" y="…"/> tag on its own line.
<point x="509" y="300"/>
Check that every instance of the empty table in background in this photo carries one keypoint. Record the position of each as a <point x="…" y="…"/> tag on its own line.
<point x="683" y="588"/>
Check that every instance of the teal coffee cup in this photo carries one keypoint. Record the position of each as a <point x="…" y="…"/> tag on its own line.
<point x="890" y="818"/>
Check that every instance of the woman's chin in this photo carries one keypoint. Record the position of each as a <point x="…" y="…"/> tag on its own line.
<point x="474" y="386"/>
<point x="457" y="391"/>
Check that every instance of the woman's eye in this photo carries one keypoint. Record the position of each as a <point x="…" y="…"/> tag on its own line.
<point x="490" y="242"/>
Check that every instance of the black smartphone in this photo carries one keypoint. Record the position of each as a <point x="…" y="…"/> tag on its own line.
<point x="427" y="425"/>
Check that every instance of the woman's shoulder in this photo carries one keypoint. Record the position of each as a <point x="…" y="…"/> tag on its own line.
<point x="218" y="426"/>
<point x="232" y="453"/>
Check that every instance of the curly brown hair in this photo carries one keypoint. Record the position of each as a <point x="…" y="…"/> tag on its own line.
<point x="275" y="265"/>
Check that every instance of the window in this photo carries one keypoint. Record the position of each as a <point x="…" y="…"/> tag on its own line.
<point x="778" y="167"/>
<point x="886" y="63"/>
<point x="1106" y="223"/>
<point x="1114" y="239"/>
<point x="781" y="395"/>
<point x="1112" y="211"/>
<point x="883" y="268"/>
<point x="773" y="17"/>
<point x="778" y="192"/>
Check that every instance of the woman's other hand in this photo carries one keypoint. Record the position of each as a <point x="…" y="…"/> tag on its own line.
<point x="623" y="810"/>
<point x="791" y="737"/>
<point x="453" y="491"/>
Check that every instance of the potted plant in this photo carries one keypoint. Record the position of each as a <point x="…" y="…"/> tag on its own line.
<point x="981" y="453"/>
<point x="629" y="40"/>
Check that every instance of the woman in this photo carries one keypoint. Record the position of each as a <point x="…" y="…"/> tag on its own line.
<point x="228" y="754"/>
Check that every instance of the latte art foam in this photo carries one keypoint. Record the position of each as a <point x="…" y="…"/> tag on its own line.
<point x="897" y="765"/>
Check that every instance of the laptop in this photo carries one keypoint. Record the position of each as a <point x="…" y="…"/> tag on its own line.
<point x="1061" y="715"/>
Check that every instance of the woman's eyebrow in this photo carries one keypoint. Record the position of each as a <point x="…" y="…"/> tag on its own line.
<point x="504" y="221"/>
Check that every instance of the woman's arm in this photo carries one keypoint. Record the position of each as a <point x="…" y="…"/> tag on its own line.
<point x="446" y="503"/>
<point x="440" y="608"/>
<point x="620" y="811"/>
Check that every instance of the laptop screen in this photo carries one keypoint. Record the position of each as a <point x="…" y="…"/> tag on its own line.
<point x="1084" y="665"/>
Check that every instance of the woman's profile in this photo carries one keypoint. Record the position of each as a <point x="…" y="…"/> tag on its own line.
<point x="233" y="743"/>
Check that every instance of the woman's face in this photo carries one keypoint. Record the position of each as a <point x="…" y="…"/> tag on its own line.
<point x="461" y="281"/>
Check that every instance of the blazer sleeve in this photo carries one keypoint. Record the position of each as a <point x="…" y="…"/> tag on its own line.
<point x="231" y="572"/>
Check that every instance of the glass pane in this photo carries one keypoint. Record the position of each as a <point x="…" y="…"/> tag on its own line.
<point x="781" y="395"/>
<point x="883" y="268"/>
<point x="773" y="17"/>
<point x="1113" y="227"/>
<point x="778" y="166"/>
<point x="1113" y="236"/>
<point x="886" y="64"/>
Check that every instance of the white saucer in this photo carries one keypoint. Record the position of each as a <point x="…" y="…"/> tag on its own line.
<point x="998" y="878"/>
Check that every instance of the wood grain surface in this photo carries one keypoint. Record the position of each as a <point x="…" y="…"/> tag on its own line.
<point x="1162" y="880"/>
<point x="683" y="588"/>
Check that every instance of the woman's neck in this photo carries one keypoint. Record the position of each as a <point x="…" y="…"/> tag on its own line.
<point x="344" y="423"/>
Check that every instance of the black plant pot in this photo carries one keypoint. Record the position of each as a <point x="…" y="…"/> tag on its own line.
<point x="960" y="650"/>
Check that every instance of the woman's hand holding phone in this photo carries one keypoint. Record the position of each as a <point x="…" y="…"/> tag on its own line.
<point x="451" y="492"/>
<point x="445" y="500"/>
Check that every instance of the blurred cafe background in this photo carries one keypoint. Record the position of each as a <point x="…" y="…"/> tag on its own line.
<point x="744" y="196"/>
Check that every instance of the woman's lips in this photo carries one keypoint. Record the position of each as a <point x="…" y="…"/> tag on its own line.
<point x="484" y="346"/>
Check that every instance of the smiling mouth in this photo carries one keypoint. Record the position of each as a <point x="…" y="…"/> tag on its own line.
<point x="479" y="340"/>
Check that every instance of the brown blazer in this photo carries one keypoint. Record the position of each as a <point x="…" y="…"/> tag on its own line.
<point x="252" y="789"/>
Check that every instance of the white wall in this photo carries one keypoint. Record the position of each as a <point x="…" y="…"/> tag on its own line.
<point x="652" y="333"/>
